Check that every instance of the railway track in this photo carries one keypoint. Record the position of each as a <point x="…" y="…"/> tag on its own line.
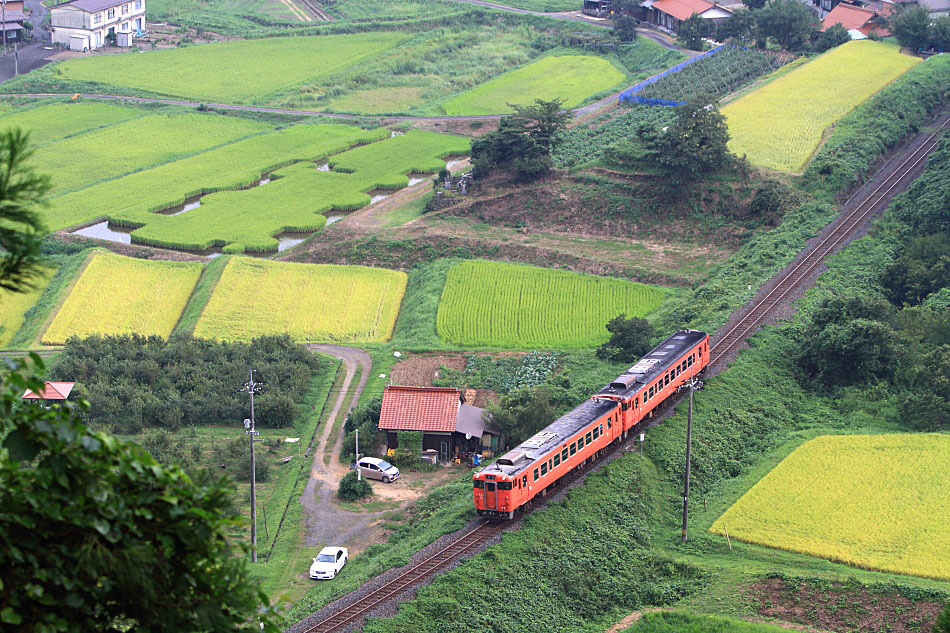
<point x="315" y="10"/>
<point x="355" y="611"/>
<point x="845" y="227"/>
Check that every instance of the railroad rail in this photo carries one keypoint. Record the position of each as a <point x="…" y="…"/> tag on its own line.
<point x="316" y="11"/>
<point x="815" y="257"/>
<point x="353" y="612"/>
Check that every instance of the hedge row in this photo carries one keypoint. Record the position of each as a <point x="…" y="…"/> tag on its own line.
<point x="862" y="137"/>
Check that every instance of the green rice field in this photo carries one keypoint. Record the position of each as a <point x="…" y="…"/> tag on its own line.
<point x="13" y="306"/>
<point x="220" y="71"/>
<point x="573" y="78"/>
<point x="56" y="121"/>
<point x="508" y="305"/>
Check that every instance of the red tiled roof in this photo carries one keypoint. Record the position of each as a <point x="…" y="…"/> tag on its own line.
<point x="682" y="9"/>
<point x="419" y="409"/>
<point x="51" y="391"/>
<point x="852" y="17"/>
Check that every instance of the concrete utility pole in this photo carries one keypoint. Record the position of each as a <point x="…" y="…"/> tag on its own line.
<point x="3" y="18"/>
<point x="358" y="473"/>
<point x="250" y="388"/>
<point x="692" y="385"/>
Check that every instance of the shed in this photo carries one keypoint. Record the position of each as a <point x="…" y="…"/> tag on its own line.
<point x="448" y="425"/>
<point x="78" y="43"/>
<point x="52" y="392"/>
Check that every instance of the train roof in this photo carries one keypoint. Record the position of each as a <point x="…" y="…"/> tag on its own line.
<point x="654" y="364"/>
<point x="540" y="444"/>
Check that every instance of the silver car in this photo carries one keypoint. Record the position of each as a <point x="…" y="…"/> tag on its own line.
<point x="375" y="468"/>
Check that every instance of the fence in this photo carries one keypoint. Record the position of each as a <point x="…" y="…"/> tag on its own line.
<point x="630" y="94"/>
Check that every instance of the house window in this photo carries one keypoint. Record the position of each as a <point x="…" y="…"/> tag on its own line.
<point x="98" y="38"/>
<point x="110" y="13"/>
<point x="125" y="26"/>
<point x="96" y="18"/>
<point x="138" y="5"/>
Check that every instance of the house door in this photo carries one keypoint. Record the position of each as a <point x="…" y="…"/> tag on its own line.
<point x="491" y="499"/>
<point x="444" y="451"/>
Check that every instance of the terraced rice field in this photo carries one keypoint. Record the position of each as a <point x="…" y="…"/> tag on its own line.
<point x="507" y="305"/>
<point x="219" y="72"/>
<point x="880" y="502"/>
<point x="780" y="125"/>
<point x="573" y="78"/>
<point x="318" y="303"/>
<point x="13" y="306"/>
<point x="122" y="295"/>
<point x="298" y="196"/>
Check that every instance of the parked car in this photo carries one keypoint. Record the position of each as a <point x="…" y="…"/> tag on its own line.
<point x="328" y="563"/>
<point x="375" y="468"/>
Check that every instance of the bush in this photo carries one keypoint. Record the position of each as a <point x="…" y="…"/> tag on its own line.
<point x="352" y="489"/>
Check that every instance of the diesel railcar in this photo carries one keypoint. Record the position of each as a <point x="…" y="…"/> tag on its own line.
<point x="506" y="486"/>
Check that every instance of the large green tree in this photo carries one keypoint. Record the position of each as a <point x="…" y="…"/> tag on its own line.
<point x="629" y="339"/>
<point x="95" y="535"/>
<point x="21" y="230"/>
<point x="740" y="27"/>
<point x="911" y="27"/>
<point x="789" y="22"/>
<point x="692" y="31"/>
<point x="939" y="34"/>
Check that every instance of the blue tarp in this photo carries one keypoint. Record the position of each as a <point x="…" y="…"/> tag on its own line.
<point x="629" y="95"/>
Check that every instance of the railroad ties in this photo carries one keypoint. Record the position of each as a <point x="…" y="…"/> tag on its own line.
<point x="815" y="256"/>
<point x="348" y="615"/>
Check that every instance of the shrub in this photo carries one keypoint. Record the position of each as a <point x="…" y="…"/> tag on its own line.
<point x="352" y="489"/>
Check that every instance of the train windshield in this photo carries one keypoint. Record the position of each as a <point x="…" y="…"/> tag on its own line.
<point x="479" y="483"/>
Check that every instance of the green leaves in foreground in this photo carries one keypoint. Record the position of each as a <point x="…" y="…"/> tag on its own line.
<point x="95" y="535"/>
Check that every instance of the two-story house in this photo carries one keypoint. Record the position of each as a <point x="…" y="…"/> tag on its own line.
<point x="86" y="24"/>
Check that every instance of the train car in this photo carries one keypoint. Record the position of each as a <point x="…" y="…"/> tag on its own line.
<point x="506" y="486"/>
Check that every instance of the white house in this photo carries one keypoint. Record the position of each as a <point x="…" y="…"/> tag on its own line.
<point x="85" y="24"/>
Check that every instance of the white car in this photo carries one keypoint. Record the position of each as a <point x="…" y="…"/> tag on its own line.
<point x="328" y="563"/>
<point x="375" y="468"/>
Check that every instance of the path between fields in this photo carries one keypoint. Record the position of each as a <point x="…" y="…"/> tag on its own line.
<point x="635" y="617"/>
<point x="323" y="522"/>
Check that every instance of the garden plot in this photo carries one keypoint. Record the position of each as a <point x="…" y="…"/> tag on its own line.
<point x="231" y="166"/>
<point x="508" y="305"/>
<point x="296" y="198"/>
<point x="108" y="152"/>
<point x="874" y="501"/>
<point x="780" y="125"/>
<point x="309" y="302"/>
<point x="220" y="71"/>
<point x="54" y="121"/>
<point x="573" y="78"/>
<point x="122" y="295"/>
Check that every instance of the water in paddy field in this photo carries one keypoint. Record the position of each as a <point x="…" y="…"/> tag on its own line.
<point x="289" y="240"/>
<point x="415" y="180"/>
<point x="334" y="218"/>
<point x="104" y="231"/>
<point x="452" y="164"/>
<point x="188" y="206"/>
<point x="377" y="195"/>
<point x="394" y="134"/>
<point x="325" y="166"/>
<point x="263" y="181"/>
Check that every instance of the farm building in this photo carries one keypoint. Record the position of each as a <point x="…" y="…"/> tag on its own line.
<point x="52" y="393"/>
<point x="13" y="18"/>
<point x="449" y="426"/>
<point x="597" y="8"/>
<point x="859" y="21"/>
<point x="669" y="14"/>
<point x="82" y="25"/>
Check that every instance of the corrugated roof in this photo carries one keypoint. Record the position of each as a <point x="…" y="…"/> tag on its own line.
<point x="14" y="15"/>
<point x="51" y="391"/>
<point x="91" y="5"/>
<point x="419" y="409"/>
<point x="682" y="9"/>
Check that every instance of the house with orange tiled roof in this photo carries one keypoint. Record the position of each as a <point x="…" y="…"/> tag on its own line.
<point x="448" y="425"/>
<point x="859" y="21"/>
<point x="669" y="14"/>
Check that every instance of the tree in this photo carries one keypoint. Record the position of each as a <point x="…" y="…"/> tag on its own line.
<point x="834" y="35"/>
<point x="522" y="413"/>
<point x="790" y="22"/>
<point x="692" y="31"/>
<point x="911" y="27"/>
<point x="754" y="4"/>
<point x="940" y="34"/>
<point x="21" y="230"/>
<point x="351" y="488"/>
<point x="921" y="269"/>
<point x="95" y="535"/>
<point x="625" y="28"/>
<point x="542" y="120"/>
<point x="694" y="144"/>
<point x="629" y="339"/>
<point x="522" y="142"/>
<point x="740" y="27"/>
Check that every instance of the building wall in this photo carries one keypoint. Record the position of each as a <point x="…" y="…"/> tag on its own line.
<point x="96" y="26"/>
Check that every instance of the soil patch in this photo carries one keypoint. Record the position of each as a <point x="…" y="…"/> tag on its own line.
<point x="845" y="607"/>
<point x="420" y="371"/>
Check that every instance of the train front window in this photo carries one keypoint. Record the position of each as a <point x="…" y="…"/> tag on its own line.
<point x="479" y="484"/>
<point x="504" y="485"/>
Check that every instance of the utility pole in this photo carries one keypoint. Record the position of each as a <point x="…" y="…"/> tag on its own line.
<point x="692" y="385"/>
<point x="3" y="18"/>
<point x="358" y="473"/>
<point x="16" y="61"/>
<point x="250" y="388"/>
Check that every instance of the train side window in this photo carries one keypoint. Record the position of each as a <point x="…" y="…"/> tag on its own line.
<point x="636" y="402"/>
<point x="544" y="469"/>
<point x="689" y="361"/>
<point x="700" y="352"/>
<point x="609" y="423"/>
<point x="564" y="455"/>
<point x="651" y="391"/>
<point x="524" y="481"/>
<point x="602" y="427"/>
<point x="588" y="437"/>
<point x="683" y="365"/>
<point x="573" y="448"/>
<point x="550" y="465"/>
<point x="677" y="370"/>
<point x="580" y="443"/>
<point x="623" y="406"/>
<point x="557" y="460"/>
<point x="596" y="433"/>
<point x="666" y="380"/>
<point x="535" y="474"/>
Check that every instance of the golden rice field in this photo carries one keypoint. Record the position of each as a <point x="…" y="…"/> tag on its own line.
<point x="122" y="295"/>
<point x="510" y="305"/>
<point x="13" y="306"/>
<point x="873" y="501"/>
<point x="310" y="302"/>
<point x="780" y="125"/>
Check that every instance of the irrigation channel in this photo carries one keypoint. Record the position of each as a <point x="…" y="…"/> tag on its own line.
<point x="346" y="613"/>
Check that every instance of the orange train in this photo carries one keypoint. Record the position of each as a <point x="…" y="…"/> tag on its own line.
<point x="573" y="440"/>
